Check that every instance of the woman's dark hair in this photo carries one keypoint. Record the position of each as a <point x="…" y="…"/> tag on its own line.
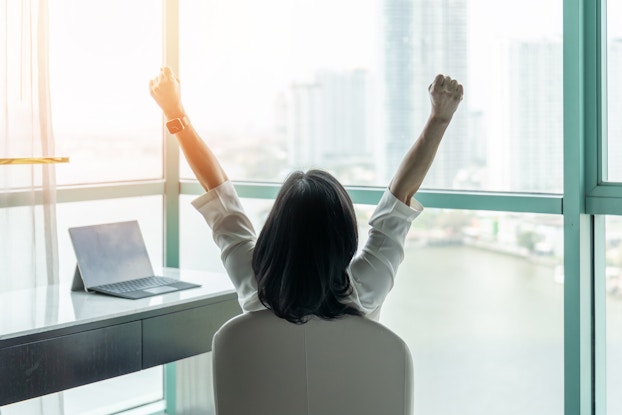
<point x="305" y="247"/>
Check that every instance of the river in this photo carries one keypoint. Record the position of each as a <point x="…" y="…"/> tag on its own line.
<point x="486" y="333"/>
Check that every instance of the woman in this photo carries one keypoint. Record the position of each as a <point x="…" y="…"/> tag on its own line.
<point x="303" y="264"/>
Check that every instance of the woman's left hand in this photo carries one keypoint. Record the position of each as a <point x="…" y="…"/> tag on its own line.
<point x="166" y="92"/>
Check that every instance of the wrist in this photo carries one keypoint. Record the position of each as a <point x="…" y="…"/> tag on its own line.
<point x="174" y="113"/>
<point x="177" y="124"/>
<point x="440" y="119"/>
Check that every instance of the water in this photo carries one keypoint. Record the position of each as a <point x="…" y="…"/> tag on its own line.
<point x="485" y="330"/>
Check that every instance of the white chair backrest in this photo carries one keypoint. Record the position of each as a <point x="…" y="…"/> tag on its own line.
<point x="265" y="365"/>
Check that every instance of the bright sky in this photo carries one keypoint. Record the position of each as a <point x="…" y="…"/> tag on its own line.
<point x="285" y="41"/>
<point x="237" y="54"/>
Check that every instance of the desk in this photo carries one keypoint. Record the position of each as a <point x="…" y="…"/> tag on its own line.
<point x="53" y="339"/>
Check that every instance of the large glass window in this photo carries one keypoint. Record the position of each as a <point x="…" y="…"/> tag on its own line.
<point x="271" y="92"/>
<point x="479" y="300"/>
<point x="102" y="56"/>
<point x="613" y="306"/>
<point x="613" y="154"/>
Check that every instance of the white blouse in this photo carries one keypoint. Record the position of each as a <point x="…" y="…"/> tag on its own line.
<point x="371" y="271"/>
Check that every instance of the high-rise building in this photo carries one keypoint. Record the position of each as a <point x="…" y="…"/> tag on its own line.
<point x="398" y="127"/>
<point x="422" y="38"/>
<point x="303" y="123"/>
<point x="525" y="117"/>
<point x="331" y="122"/>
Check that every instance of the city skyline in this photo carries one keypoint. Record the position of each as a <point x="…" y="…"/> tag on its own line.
<point x="238" y="114"/>
<point x="520" y="123"/>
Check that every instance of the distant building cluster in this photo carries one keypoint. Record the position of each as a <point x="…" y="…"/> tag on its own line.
<point x="360" y="123"/>
<point x="331" y="122"/>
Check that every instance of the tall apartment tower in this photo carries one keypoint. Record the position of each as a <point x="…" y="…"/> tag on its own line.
<point x="331" y="123"/>
<point x="422" y="38"/>
<point x="526" y="124"/>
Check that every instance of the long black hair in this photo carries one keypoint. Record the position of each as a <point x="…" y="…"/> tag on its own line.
<point x="303" y="251"/>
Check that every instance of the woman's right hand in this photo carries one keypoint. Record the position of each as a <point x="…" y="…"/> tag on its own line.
<point x="165" y="90"/>
<point x="445" y="95"/>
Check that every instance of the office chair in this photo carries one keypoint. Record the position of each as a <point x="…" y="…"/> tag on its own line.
<point x="266" y="365"/>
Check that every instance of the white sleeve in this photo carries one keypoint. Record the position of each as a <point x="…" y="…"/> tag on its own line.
<point x="373" y="270"/>
<point x="234" y="234"/>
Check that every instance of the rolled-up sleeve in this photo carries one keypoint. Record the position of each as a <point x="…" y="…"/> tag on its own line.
<point x="373" y="270"/>
<point x="234" y="234"/>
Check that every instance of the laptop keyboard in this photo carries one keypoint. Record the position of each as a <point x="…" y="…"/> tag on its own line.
<point x="136" y="285"/>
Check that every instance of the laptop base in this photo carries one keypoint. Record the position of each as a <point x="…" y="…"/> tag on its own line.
<point x="78" y="285"/>
<point x="149" y="292"/>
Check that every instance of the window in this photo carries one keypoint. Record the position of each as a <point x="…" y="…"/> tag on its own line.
<point x="613" y="307"/>
<point x="479" y="300"/>
<point x="103" y="116"/>
<point x="273" y="93"/>
<point x="613" y="170"/>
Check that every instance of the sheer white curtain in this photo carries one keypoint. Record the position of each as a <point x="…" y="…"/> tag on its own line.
<point x="28" y="247"/>
<point x="28" y="241"/>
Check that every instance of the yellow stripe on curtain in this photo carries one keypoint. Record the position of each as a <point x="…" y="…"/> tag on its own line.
<point x="28" y="237"/>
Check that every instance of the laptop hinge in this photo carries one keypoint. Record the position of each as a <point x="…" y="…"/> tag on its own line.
<point x="78" y="283"/>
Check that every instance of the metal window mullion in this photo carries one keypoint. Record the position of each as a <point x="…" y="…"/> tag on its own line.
<point x="579" y="119"/>
<point x="603" y="195"/>
<point x="171" y="233"/>
<point x="170" y="147"/>
<point x="81" y="193"/>
<point x="602" y="198"/>
<point x="604" y="205"/>
<point x="600" y="317"/>
<point x="500" y="202"/>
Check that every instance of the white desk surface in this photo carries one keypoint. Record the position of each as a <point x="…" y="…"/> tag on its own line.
<point x="36" y="310"/>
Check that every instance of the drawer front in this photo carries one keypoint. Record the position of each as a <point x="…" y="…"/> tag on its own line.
<point x="185" y="333"/>
<point x="48" y="366"/>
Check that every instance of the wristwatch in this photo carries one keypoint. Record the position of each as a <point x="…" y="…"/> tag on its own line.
<point x="177" y="124"/>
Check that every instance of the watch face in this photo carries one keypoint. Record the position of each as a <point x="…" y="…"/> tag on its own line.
<point x="174" y="126"/>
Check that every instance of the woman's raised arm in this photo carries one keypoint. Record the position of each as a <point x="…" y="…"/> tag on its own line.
<point x="445" y="95"/>
<point x="165" y="91"/>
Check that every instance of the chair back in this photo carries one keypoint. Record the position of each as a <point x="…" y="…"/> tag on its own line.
<point x="266" y="365"/>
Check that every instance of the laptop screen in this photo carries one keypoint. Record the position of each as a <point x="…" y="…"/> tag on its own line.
<point x="110" y="253"/>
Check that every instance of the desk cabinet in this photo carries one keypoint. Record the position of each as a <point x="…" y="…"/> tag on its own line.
<point x="183" y="334"/>
<point x="103" y="346"/>
<point x="64" y="362"/>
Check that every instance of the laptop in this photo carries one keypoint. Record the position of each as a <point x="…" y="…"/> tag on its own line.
<point x="112" y="259"/>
